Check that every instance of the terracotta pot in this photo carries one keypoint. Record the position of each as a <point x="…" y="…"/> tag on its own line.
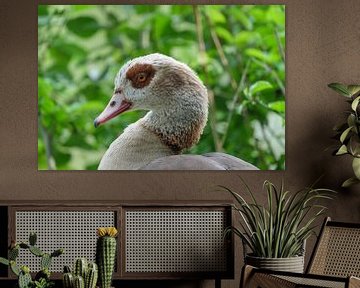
<point x="291" y="264"/>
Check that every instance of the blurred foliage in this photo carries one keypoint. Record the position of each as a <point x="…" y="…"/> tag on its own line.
<point x="238" y="51"/>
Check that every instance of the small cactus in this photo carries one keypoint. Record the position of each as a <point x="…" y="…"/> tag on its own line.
<point x="68" y="280"/>
<point x="79" y="282"/>
<point x="91" y="276"/>
<point x="106" y="254"/>
<point x="80" y="267"/>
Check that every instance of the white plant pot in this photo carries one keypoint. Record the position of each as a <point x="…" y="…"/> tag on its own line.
<point x="291" y="264"/>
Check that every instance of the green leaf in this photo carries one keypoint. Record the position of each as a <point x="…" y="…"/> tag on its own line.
<point x="62" y="158"/>
<point x="349" y="182"/>
<point x="342" y="150"/>
<point x="355" y="103"/>
<point x="224" y="34"/>
<point x="258" y="54"/>
<point x="84" y="26"/>
<point x="4" y="261"/>
<point x="215" y="15"/>
<point x="81" y="7"/>
<point x="351" y="120"/>
<point x="42" y="10"/>
<point x="353" y="89"/>
<point x="356" y="167"/>
<point x="278" y="106"/>
<point x="345" y="134"/>
<point x="161" y="26"/>
<point x="340" y="88"/>
<point x="354" y="145"/>
<point x="44" y="87"/>
<point x="260" y="86"/>
<point x="244" y="38"/>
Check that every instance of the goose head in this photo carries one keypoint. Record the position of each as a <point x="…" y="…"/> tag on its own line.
<point x="173" y="94"/>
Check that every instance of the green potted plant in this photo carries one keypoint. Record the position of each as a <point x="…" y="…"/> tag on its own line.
<point x="348" y="132"/>
<point x="42" y="278"/>
<point x="274" y="235"/>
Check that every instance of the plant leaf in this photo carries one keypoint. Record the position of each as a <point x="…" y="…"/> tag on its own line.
<point x="342" y="150"/>
<point x="356" y="167"/>
<point x="353" y="89"/>
<point x="340" y="88"/>
<point x="345" y="134"/>
<point x="4" y="261"/>
<point x="260" y="86"/>
<point x="278" y="106"/>
<point x="354" y="145"/>
<point x="83" y="26"/>
<point x="355" y="103"/>
<point x="349" y="182"/>
<point x="351" y="120"/>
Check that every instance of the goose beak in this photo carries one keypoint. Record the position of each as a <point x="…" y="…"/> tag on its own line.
<point x="117" y="105"/>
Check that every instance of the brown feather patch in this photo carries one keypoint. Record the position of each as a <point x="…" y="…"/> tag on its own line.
<point x="140" y="75"/>
<point x="182" y="140"/>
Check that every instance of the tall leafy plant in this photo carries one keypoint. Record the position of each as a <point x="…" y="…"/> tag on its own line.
<point x="348" y="133"/>
<point x="279" y="229"/>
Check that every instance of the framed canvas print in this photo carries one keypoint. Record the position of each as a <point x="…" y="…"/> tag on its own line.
<point x="161" y="87"/>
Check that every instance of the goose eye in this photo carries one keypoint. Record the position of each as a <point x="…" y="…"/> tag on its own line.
<point x="141" y="77"/>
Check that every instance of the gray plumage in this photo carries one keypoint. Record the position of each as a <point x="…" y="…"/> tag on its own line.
<point x="208" y="161"/>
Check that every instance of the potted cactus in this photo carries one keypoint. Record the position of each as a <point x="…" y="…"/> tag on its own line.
<point x="84" y="275"/>
<point x="348" y="133"/>
<point x="106" y="254"/>
<point x="42" y="278"/>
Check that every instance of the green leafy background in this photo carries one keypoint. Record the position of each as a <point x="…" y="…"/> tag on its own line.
<point x="238" y="51"/>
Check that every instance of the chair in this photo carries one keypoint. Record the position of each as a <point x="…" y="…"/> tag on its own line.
<point x="335" y="262"/>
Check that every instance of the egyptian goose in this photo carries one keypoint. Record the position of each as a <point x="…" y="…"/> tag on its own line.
<point x="177" y="102"/>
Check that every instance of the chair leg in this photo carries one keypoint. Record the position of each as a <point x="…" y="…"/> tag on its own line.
<point x="246" y="273"/>
<point x="217" y="283"/>
<point x="354" y="282"/>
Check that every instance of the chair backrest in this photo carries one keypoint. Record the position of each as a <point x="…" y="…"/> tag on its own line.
<point x="337" y="251"/>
